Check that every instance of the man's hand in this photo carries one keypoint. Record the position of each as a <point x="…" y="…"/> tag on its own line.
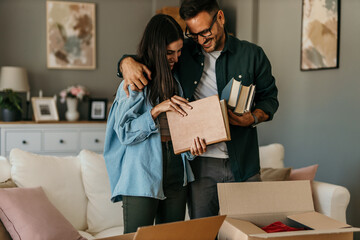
<point x="247" y="119"/>
<point x="198" y="146"/>
<point x="175" y="104"/>
<point x="133" y="73"/>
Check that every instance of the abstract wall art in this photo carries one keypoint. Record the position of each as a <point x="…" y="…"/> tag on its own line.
<point x="71" y="35"/>
<point x="320" y="34"/>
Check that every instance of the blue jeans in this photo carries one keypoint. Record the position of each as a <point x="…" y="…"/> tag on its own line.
<point x="203" y="198"/>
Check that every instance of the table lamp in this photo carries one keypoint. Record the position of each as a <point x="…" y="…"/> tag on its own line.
<point x="15" y="78"/>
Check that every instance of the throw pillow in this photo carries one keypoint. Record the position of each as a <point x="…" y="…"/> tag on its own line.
<point x="101" y="212"/>
<point x="8" y="184"/>
<point x="4" y="169"/>
<point x="305" y="173"/>
<point x="28" y="214"/>
<point x="272" y="156"/>
<point x="4" y="235"/>
<point x="60" y="177"/>
<point x="274" y="174"/>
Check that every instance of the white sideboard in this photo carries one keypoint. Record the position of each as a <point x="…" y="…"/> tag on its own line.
<point x="61" y="138"/>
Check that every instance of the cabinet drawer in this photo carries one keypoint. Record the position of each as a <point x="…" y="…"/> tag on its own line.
<point x="27" y="141"/>
<point x="60" y="141"/>
<point x="92" y="140"/>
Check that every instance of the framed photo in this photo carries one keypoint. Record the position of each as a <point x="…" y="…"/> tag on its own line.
<point x="320" y="34"/>
<point x="70" y="35"/>
<point x="97" y="109"/>
<point x="44" y="109"/>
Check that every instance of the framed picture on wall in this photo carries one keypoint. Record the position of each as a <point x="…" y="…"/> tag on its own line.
<point x="320" y="34"/>
<point x="97" y="109"/>
<point x="44" y="109"/>
<point x="70" y="35"/>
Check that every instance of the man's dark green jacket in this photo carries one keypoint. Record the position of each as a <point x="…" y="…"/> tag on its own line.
<point x="245" y="62"/>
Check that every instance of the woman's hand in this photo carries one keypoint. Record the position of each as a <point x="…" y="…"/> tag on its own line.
<point x="175" y="104"/>
<point x="198" y="146"/>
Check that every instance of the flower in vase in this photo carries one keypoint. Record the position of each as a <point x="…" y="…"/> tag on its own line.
<point x="77" y="91"/>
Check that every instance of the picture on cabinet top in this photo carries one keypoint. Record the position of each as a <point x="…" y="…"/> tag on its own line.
<point x="70" y="35"/>
<point x="44" y="109"/>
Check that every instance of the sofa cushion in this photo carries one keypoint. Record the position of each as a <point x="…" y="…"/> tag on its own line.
<point x="272" y="156"/>
<point x="28" y="214"/>
<point x="60" y="178"/>
<point x="115" y="231"/>
<point x="275" y="174"/>
<point x="101" y="212"/>
<point x="4" y="234"/>
<point x="305" y="173"/>
<point x="4" y="169"/>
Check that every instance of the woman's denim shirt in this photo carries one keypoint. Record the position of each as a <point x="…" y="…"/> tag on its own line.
<point x="133" y="151"/>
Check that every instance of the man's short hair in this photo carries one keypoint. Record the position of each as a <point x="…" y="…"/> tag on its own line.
<point x="191" y="8"/>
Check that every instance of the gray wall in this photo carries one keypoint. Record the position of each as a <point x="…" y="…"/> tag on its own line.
<point x="318" y="114"/>
<point x="319" y="110"/>
<point x="119" y="26"/>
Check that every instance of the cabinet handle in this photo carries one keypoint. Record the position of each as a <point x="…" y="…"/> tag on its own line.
<point x="61" y="141"/>
<point x="97" y="140"/>
<point x="24" y="142"/>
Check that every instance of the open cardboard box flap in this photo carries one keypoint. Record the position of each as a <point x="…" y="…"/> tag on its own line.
<point x="252" y="205"/>
<point x="197" y="229"/>
<point x="318" y="221"/>
<point x="253" y="198"/>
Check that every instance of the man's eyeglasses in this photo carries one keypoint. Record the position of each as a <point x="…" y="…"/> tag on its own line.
<point x="206" y="33"/>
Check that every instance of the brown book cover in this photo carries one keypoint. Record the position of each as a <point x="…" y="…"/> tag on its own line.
<point x="208" y="119"/>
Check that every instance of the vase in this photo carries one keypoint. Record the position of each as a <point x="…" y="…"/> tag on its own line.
<point x="72" y="114"/>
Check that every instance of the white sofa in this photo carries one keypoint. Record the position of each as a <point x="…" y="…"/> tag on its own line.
<point x="79" y="188"/>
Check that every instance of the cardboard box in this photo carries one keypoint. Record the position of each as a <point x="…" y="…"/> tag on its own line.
<point x="252" y="205"/>
<point x="197" y="229"/>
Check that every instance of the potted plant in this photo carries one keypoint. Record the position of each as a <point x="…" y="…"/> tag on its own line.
<point x="10" y="104"/>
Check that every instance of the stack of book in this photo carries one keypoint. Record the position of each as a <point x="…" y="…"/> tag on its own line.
<point x="239" y="98"/>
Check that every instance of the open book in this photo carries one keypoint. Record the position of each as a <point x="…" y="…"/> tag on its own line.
<point x="240" y="98"/>
<point x="208" y="119"/>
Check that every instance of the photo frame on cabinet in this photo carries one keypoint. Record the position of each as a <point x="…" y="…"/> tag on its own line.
<point x="44" y="109"/>
<point x="98" y="109"/>
<point x="320" y="34"/>
<point x="70" y="35"/>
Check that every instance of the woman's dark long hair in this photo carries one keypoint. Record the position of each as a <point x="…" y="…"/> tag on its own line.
<point x="159" y="32"/>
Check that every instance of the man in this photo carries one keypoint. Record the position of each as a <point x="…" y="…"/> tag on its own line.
<point x="210" y="58"/>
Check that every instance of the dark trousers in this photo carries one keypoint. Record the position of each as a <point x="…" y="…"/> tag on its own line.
<point x="142" y="211"/>
<point x="203" y="197"/>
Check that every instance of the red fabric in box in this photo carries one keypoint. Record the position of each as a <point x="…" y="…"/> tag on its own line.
<point x="279" y="227"/>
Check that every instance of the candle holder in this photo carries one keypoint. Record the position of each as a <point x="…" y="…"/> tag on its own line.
<point x="27" y="111"/>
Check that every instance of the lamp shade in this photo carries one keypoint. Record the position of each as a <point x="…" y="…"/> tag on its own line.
<point x="14" y="78"/>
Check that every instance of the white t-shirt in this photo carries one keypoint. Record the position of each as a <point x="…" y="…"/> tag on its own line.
<point x="206" y="88"/>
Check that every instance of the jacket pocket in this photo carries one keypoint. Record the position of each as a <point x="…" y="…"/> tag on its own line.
<point x="245" y="78"/>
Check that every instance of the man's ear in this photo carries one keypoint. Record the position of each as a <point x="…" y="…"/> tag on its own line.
<point x="221" y="17"/>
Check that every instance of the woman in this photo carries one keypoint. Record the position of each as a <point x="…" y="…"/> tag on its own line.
<point x="144" y="172"/>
